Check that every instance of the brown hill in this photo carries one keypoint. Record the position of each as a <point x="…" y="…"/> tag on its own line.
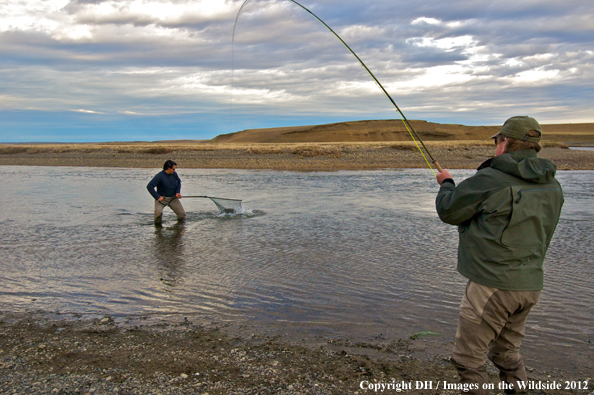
<point x="394" y="130"/>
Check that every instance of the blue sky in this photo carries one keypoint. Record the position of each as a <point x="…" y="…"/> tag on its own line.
<point x="126" y="70"/>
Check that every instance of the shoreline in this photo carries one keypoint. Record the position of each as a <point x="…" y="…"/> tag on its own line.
<point x="282" y="157"/>
<point x="61" y="354"/>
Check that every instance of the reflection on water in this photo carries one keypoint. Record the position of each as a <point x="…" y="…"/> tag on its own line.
<point x="169" y="253"/>
<point x="349" y="254"/>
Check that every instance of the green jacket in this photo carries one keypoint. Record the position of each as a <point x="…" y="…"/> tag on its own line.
<point x="506" y="215"/>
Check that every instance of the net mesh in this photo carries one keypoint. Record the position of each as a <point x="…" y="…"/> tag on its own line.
<point x="230" y="206"/>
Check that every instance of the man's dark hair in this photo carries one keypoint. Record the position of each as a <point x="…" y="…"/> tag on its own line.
<point x="169" y="164"/>
<point x="516" y="145"/>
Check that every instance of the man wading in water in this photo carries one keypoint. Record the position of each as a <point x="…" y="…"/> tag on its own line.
<point x="506" y="215"/>
<point x="168" y="186"/>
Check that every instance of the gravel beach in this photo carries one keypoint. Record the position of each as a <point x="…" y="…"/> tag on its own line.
<point x="310" y="157"/>
<point x="70" y="355"/>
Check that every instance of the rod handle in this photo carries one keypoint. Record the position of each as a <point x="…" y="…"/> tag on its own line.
<point x="437" y="166"/>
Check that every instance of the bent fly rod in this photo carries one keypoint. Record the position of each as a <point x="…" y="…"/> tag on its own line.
<point x="411" y="131"/>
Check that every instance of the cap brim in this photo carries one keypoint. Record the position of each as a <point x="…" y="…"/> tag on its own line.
<point x="495" y="135"/>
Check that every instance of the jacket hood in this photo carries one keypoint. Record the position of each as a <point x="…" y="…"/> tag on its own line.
<point x="524" y="164"/>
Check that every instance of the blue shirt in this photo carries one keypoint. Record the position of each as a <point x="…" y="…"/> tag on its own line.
<point x="167" y="185"/>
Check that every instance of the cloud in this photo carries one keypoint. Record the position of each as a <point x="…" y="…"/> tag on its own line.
<point x="463" y="61"/>
<point x="146" y="12"/>
<point x="87" y="111"/>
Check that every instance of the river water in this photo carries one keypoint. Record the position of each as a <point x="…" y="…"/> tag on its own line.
<point x="341" y="254"/>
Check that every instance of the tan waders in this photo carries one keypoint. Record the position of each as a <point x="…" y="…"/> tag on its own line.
<point x="174" y="204"/>
<point x="491" y="324"/>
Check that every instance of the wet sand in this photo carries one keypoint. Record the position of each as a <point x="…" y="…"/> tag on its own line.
<point x="289" y="157"/>
<point x="72" y="355"/>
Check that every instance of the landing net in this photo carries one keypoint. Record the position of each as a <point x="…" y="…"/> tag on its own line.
<point x="228" y="206"/>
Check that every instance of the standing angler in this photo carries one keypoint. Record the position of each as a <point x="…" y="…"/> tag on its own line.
<point x="168" y="192"/>
<point x="506" y="216"/>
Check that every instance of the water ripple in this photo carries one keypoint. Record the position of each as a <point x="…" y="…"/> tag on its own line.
<point x="342" y="253"/>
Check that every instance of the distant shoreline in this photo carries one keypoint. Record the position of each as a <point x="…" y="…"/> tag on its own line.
<point x="284" y="157"/>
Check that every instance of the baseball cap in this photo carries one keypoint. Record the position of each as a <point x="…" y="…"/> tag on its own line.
<point x="518" y="127"/>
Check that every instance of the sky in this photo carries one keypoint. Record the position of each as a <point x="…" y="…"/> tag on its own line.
<point x="147" y="70"/>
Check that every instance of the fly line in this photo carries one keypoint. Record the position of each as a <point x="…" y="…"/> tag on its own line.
<point x="411" y="131"/>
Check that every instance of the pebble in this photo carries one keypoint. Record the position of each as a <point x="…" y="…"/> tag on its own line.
<point x="244" y="367"/>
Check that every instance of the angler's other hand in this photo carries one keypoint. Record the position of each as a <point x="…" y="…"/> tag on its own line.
<point x="161" y="198"/>
<point x="443" y="175"/>
<point x="178" y="195"/>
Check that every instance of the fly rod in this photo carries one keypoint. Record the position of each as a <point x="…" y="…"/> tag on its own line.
<point x="413" y="134"/>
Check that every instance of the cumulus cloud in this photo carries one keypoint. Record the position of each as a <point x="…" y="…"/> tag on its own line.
<point x="464" y="61"/>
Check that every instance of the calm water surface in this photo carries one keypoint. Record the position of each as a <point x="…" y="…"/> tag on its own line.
<point x="351" y="254"/>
